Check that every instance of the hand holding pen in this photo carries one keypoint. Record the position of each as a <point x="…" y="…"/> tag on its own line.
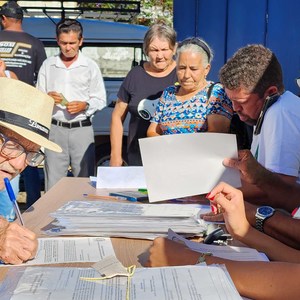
<point x="18" y="244"/>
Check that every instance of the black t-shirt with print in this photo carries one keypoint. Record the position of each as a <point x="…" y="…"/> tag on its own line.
<point x="22" y="53"/>
<point x="141" y="91"/>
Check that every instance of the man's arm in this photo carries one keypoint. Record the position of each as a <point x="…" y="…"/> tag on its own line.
<point x="97" y="92"/>
<point x="281" y="226"/>
<point x="17" y="244"/>
<point x="279" y="191"/>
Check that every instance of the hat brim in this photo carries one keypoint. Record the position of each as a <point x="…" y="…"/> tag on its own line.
<point x="33" y="137"/>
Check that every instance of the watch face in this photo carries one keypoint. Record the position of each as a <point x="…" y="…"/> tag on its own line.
<point x="265" y="211"/>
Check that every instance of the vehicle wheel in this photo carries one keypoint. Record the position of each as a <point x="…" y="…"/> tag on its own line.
<point x="103" y="155"/>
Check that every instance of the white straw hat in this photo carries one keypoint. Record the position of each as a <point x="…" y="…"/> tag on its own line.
<point x="26" y="111"/>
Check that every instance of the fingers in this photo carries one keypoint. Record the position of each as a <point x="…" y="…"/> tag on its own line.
<point x="222" y="187"/>
<point x="212" y="217"/>
<point x="18" y="244"/>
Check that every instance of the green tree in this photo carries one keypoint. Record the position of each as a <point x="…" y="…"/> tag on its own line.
<point x="151" y="11"/>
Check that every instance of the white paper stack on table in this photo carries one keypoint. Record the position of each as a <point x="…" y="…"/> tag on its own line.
<point x="103" y="218"/>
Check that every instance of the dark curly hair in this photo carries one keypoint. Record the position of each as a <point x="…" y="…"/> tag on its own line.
<point x="253" y="67"/>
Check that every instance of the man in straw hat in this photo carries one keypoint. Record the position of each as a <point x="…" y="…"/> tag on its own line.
<point x="25" y="118"/>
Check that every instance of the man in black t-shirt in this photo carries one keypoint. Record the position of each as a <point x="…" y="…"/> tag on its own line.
<point x="23" y="54"/>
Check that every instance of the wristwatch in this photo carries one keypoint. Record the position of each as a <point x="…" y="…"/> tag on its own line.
<point x="262" y="214"/>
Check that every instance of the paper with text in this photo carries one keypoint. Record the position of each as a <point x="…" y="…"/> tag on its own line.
<point x="183" y="165"/>
<point x="75" y="249"/>
<point x="177" y="283"/>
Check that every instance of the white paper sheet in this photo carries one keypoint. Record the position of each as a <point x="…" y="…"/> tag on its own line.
<point x="187" y="282"/>
<point x="183" y="165"/>
<point x="120" y="177"/>
<point x="75" y="249"/>
<point x="228" y="252"/>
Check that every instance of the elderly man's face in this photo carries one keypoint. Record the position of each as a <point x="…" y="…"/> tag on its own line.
<point x="12" y="167"/>
<point x="246" y="105"/>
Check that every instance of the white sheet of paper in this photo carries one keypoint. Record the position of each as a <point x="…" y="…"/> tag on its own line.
<point x="121" y="177"/>
<point x="228" y="252"/>
<point x="183" y="165"/>
<point x="185" y="282"/>
<point x="73" y="249"/>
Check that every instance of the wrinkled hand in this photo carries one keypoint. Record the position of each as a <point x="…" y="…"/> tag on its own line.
<point x="165" y="252"/>
<point x="75" y="107"/>
<point x="251" y="170"/>
<point x="232" y="203"/>
<point x="17" y="244"/>
<point x="56" y="97"/>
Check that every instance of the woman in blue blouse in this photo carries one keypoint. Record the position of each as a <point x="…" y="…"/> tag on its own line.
<point x="195" y="104"/>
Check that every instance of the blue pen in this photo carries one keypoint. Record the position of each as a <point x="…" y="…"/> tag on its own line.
<point x="13" y="199"/>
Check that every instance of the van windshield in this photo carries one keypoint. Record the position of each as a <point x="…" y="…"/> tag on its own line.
<point x="113" y="61"/>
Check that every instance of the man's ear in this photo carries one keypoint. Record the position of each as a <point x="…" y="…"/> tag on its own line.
<point x="271" y="91"/>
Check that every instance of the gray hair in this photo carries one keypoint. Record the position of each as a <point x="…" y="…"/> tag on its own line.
<point x="253" y="67"/>
<point x="196" y="45"/>
<point x="161" y="31"/>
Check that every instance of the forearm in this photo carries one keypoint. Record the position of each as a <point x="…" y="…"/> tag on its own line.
<point x="253" y="194"/>
<point x="284" y="228"/>
<point x="263" y="280"/>
<point x="280" y="193"/>
<point x="274" y="249"/>
<point x="116" y="137"/>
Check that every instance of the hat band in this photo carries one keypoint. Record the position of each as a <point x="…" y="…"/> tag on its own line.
<point x="23" y="122"/>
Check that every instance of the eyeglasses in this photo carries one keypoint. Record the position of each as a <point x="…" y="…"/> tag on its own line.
<point x="11" y="149"/>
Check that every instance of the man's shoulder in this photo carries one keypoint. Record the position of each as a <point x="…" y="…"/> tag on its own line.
<point x="19" y="36"/>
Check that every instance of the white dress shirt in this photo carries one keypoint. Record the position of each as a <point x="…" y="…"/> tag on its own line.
<point x="81" y="81"/>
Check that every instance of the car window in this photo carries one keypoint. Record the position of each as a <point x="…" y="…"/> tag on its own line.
<point x="114" y="61"/>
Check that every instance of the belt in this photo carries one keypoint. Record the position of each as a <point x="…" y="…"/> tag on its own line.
<point x="84" y="123"/>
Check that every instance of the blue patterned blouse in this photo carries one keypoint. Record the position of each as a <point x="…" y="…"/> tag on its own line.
<point x="190" y="116"/>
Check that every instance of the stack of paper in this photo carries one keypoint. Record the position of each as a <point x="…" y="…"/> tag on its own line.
<point x="102" y="218"/>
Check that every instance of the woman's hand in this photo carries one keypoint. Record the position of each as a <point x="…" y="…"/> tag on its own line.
<point x="165" y="252"/>
<point x="231" y="201"/>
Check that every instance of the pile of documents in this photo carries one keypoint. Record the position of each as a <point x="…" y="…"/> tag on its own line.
<point x="117" y="219"/>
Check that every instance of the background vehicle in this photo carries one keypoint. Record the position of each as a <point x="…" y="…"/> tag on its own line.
<point x="116" y="47"/>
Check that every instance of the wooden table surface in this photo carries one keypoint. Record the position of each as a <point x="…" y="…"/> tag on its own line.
<point x="128" y="251"/>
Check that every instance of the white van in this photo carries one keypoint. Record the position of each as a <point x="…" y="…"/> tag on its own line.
<point x="116" y="47"/>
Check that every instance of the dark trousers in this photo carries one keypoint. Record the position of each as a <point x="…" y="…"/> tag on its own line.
<point x="32" y="184"/>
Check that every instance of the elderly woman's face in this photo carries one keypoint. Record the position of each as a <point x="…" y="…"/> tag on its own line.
<point x="160" y="54"/>
<point x="191" y="72"/>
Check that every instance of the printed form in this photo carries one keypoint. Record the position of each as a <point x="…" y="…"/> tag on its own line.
<point x="68" y="250"/>
<point x="186" y="282"/>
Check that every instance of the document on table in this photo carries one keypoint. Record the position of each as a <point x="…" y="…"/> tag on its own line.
<point x="127" y="219"/>
<point x="228" y="252"/>
<point x="183" y="165"/>
<point x="120" y="177"/>
<point x="187" y="282"/>
<point x="68" y="250"/>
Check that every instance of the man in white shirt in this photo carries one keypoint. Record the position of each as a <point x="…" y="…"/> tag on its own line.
<point x="75" y="83"/>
